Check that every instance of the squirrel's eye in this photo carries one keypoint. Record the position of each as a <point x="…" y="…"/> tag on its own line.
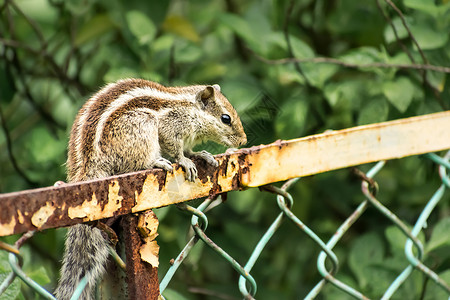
<point x="226" y="119"/>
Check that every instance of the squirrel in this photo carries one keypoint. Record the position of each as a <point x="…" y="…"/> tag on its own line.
<point x="131" y="125"/>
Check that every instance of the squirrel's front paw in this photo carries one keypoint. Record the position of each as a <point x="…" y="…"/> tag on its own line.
<point x="189" y="167"/>
<point x="163" y="164"/>
<point x="208" y="157"/>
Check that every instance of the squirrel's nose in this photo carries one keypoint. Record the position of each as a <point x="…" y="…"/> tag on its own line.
<point x="243" y="140"/>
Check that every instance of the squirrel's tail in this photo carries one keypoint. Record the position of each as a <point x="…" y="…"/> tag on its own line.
<point x="86" y="254"/>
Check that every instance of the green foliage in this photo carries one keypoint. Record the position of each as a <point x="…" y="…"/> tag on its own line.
<point x="13" y="289"/>
<point x="54" y="54"/>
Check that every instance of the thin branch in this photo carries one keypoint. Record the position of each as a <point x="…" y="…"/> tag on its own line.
<point x="334" y="61"/>
<point x="28" y="95"/>
<point x="394" y="29"/>
<point x="426" y="82"/>
<point x="411" y="36"/>
<point x="238" y="42"/>
<point x="25" y="237"/>
<point x="73" y="29"/>
<point x="43" y="53"/>
<point x="30" y="21"/>
<point x="18" y="45"/>
<point x="288" y="41"/>
<point x="12" y="158"/>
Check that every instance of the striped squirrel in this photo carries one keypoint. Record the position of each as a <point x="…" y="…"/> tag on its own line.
<point x="128" y="126"/>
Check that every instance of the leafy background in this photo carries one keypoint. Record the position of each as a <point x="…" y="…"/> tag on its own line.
<point x="291" y="68"/>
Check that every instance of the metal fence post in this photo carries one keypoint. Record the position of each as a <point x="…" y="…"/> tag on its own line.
<point x="142" y="277"/>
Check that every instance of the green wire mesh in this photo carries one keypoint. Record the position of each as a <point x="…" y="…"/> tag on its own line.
<point x="247" y="284"/>
<point x="285" y="202"/>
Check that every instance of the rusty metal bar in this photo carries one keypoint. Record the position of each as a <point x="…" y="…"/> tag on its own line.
<point x="142" y="277"/>
<point x="87" y="201"/>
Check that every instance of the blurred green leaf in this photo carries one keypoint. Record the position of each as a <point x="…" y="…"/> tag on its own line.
<point x="300" y="48"/>
<point x="399" y="92"/>
<point x="39" y="10"/>
<point x="290" y="122"/>
<point x="440" y="235"/>
<point x="208" y="71"/>
<point x="437" y="292"/>
<point x="115" y="74"/>
<point x="242" y="93"/>
<point x="395" y="237"/>
<point x="94" y="29"/>
<point x="397" y="240"/>
<point x="13" y="289"/>
<point x="79" y="7"/>
<point x="4" y="262"/>
<point x="348" y="94"/>
<point x="173" y="295"/>
<point x="331" y="292"/>
<point x="367" y="250"/>
<point x="319" y="74"/>
<point x="240" y="26"/>
<point x="389" y="35"/>
<point x="163" y="43"/>
<point x="428" y="37"/>
<point x="181" y="27"/>
<point x="428" y="6"/>
<point x="188" y="53"/>
<point x="360" y="20"/>
<point x="39" y="274"/>
<point x="141" y="26"/>
<point x="44" y="147"/>
<point x="374" y="110"/>
<point x="363" y="55"/>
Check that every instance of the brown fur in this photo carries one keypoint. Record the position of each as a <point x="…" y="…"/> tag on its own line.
<point x="129" y="126"/>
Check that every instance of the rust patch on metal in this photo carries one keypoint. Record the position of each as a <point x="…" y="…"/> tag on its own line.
<point x="205" y="170"/>
<point x="223" y="167"/>
<point x="161" y="175"/>
<point x="72" y="203"/>
<point x="128" y="188"/>
<point x="142" y="278"/>
<point x="280" y="144"/>
<point x="247" y="167"/>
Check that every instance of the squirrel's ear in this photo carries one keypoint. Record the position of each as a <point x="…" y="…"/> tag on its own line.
<point x="206" y="95"/>
<point x="217" y="87"/>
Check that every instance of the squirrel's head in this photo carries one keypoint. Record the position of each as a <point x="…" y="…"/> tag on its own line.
<point x="225" y="125"/>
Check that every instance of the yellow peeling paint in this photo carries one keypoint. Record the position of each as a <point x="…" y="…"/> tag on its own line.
<point x="40" y="217"/>
<point x="20" y="217"/>
<point x="7" y="228"/>
<point x="90" y="210"/>
<point x="176" y="189"/>
<point x="83" y="210"/>
<point x="148" y="229"/>
<point x="150" y="194"/>
<point x="148" y="224"/>
<point x="149" y="252"/>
